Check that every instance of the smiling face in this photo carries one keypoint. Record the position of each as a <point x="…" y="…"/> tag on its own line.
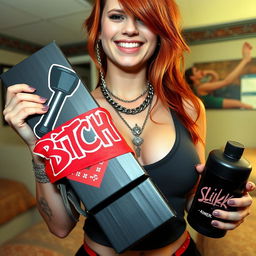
<point x="126" y="41"/>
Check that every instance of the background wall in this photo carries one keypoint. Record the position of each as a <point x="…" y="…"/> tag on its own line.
<point x="10" y="58"/>
<point x="14" y="158"/>
<point x="200" y="13"/>
<point x="222" y="125"/>
<point x="232" y="124"/>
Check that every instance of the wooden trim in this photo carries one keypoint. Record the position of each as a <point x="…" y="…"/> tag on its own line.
<point x="221" y="32"/>
<point x="25" y="47"/>
<point x="193" y="36"/>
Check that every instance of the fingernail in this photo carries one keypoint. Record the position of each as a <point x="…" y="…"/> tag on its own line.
<point x="45" y="108"/>
<point x="215" y="223"/>
<point x="32" y="88"/>
<point x="231" y="202"/>
<point x="43" y="99"/>
<point x="216" y="214"/>
<point x="251" y="186"/>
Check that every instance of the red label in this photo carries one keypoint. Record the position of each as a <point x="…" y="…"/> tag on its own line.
<point x="83" y="141"/>
<point x="92" y="175"/>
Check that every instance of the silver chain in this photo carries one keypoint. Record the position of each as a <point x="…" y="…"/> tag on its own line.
<point x="136" y="131"/>
<point x="100" y="63"/>
<point x="112" y="102"/>
<point x="127" y="101"/>
<point x="128" y="111"/>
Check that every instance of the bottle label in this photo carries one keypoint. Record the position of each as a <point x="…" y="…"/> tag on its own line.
<point x="212" y="193"/>
<point x="214" y="196"/>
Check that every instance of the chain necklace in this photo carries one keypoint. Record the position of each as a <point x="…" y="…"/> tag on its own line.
<point x="136" y="131"/>
<point x="128" y="111"/>
<point x="128" y="101"/>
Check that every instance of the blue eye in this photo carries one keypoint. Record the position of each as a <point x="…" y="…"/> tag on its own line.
<point x="139" y="21"/>
<point x="116" y="17"/>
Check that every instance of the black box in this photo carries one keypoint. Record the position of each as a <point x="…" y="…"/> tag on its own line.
<point x="125" y="193"/>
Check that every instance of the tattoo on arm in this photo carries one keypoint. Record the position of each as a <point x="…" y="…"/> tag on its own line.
<point x="45" y="207"/>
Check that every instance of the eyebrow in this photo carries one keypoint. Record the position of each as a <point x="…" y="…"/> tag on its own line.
<point x="116" y="10"/>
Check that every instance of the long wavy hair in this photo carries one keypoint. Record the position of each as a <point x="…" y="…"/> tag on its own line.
<point x="165" y="69"/>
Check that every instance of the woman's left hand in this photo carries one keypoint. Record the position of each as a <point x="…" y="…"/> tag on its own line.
<point x="242" y="205"/>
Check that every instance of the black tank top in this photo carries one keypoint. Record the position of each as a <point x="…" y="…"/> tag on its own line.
<point x="175" y="176"/>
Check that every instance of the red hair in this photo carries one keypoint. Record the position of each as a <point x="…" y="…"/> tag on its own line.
<point x="165" y="70"/>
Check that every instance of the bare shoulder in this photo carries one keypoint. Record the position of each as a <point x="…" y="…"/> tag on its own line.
<point x="97" y="95"/>
<point x="192" y="112"/>
<point x="200" y="120"/>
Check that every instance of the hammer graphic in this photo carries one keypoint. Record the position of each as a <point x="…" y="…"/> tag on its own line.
<point x="62" y="82"/>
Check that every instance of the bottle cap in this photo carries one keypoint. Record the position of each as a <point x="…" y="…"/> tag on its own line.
<point x="234" y="150"/>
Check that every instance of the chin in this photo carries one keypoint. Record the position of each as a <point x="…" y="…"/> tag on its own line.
<point x="129" y="64"/>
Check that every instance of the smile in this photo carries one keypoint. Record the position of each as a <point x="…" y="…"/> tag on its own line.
<point x="128" y="45"/>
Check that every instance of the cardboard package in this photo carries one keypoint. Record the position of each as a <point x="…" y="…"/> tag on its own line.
<point x="117" y="191"/>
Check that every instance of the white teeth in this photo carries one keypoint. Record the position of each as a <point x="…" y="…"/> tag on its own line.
<point x="129" y="45"/>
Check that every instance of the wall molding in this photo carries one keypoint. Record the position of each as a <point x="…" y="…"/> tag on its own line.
<point x="25" y="47"/>
<point x="221" y="32"/>
<point x="193" y="36"/>
<point x="17" y="45"/>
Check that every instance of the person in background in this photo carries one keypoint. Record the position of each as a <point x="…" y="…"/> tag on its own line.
<point x="138" y="49"/>
<point x="205" y="82"/>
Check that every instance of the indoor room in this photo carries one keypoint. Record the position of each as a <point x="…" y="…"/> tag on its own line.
<point x="215" y="32"/>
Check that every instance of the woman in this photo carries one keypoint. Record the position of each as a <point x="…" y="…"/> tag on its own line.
<point x="138" y="48"/>
<point x="205" y="82"/>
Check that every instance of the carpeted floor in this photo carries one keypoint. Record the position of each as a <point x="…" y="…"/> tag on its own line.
<point x="38" y="241"/>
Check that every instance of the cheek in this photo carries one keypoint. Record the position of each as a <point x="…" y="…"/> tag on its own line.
<point x="104" y="34"/>
<point x="151" y="37"/>
<point x="108" y="30"/>
<point x="153" y="44"/>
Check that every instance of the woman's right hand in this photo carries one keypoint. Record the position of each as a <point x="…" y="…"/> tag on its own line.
<point x="20" y="104"/>
<point x="246" y="52"/>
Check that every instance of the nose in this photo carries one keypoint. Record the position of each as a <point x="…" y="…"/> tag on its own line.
<point x="130" y="27"/>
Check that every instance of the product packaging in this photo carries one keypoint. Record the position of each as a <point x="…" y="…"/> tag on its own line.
<point x="78" y="138"/>
<point x="224" y="178"/>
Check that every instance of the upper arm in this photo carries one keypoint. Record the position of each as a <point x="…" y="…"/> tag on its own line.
<point x="201" y="126"/>
<point x="200" y="119"/>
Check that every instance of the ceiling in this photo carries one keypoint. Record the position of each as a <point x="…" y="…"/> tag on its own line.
<point x="42" y="21"/>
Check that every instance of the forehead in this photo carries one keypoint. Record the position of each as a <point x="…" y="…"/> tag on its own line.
<point x="112" y="4"/>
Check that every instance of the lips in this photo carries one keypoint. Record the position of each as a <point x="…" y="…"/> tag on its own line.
<point x="128" y="45"/>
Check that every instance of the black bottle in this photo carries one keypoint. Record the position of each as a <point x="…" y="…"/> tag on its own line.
<point x="224" y="177"/>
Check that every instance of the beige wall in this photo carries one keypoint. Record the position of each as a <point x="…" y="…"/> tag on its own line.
<point x="226" y="50"/>
<point x="11" y="58"/>
<point x="222" y="125"/>
<point x="15" y="163"/>
<point x="199" y="13"/>
<point x="14" y="157"/>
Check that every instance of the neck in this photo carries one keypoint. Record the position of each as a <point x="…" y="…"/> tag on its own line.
<point x="125" y="84"/>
